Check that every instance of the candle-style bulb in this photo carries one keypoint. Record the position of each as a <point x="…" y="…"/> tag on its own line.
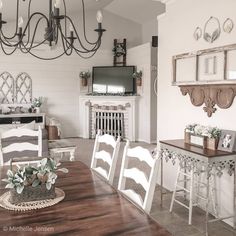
<point x="57" y="4"/>
<point x="71" y="28"/>
<point x="20" y="22"/>
<point x="99" y="16"/>
<point x="1" y="6"/>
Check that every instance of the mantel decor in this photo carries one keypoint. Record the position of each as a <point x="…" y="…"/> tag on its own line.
<point x="84" y="75"/>
<point x="138" y="77"/>
<point x="208" y="76"/>
<point x="59" y="30"/>
<point x="119" y="51"/>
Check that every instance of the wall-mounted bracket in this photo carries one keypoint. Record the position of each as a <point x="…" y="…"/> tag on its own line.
<point x="210" y="95"/>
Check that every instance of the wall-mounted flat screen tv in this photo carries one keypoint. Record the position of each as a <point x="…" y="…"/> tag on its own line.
<point x="114" y="80"/>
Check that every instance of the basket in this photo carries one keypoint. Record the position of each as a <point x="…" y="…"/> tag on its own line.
<point x="32" y="194"/>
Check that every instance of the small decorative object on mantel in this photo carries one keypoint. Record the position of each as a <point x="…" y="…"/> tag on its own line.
<point x="84" y="75"/>
<point x="212" y="29"/>
<point x="31" y="183"/>
<point x="227" y="141"/>
<point x="138" y="77"/>
<point x="204" y="136"/>
<point x="37" y="103"/>
<point x="228" y="25"/>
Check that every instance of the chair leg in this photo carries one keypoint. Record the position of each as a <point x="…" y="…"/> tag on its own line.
<point x="174" y="192"/>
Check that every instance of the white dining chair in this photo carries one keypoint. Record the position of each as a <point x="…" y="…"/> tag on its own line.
<point x="148" y="183"/>
<point x="105" y="156"/>
<point x="21" y="146"/>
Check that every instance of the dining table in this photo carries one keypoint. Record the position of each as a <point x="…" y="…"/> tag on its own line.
<point x="91" y="207"/>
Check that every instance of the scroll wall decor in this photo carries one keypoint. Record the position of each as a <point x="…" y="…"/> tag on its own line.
<point x="207" y="76"/>
<point x="15" y="91"/>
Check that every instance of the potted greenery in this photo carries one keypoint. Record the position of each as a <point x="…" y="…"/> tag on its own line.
<point x="138" y="77"/>
<point x="37" y="103"/>
<point x="84" y="75"/>
<point x="31" y="183"/>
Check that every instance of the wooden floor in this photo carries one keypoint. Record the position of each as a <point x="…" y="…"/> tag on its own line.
<point x="91" y="207"/>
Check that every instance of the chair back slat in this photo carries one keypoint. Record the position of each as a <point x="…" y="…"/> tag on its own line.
<point x="141" y="154"/>
<point x="107" y="139"/>
<point x="21" y="146"/>
<point x="130" y="193"/>
<point x="105" y="156"/>
<point x="149" y="184"/>
<point x="138" y="176"/>
<point x="110" y="159"/>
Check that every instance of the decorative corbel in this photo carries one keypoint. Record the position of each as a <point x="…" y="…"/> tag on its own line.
<point x="210" y="95"/>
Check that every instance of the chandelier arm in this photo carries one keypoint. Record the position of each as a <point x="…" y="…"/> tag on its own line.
<point x="84" y="24"/>
<point x="65" y="48"/>
<point x="77" y="35"/>
<point x="6" y="41"/>
<point x="95" y="48"/>
<point x="8" y="54"/>
<point x="29" y="6"/>
<point x="84" y="57"/>
<point x="33" y="37"/>
<point x="45" y="58"/>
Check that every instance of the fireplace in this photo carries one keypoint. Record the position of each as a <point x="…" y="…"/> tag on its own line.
<point x="115" y="115"/>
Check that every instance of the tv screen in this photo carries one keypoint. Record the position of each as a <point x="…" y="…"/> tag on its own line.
<point x="113" y="80"/>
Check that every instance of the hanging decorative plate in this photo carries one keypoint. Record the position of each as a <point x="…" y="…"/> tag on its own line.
<point x="228" y="25"/>
<point x="197" y="33"/>
<point x="212" y="29"/>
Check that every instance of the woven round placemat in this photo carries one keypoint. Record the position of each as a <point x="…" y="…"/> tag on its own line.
<point x="28" y="206"/>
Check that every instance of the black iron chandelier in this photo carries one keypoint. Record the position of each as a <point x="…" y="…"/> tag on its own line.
<point x="59" y="30"/>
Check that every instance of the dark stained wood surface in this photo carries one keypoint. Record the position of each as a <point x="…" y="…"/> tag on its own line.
<point x="91" y="207"/>
<point x="179" y="143"/>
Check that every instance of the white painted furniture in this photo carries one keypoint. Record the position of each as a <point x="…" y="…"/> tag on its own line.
<point x="62" y="146"/>
<point x="195" y="159"/>
<point x="190" y="183"/>
<point x="21" y="146"/>
<point x="149" y="184"/>
<point x="105" y="156"/>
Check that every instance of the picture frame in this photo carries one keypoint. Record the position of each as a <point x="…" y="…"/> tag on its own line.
<point x="211" y="67"/>
<point x="227" y="141"/>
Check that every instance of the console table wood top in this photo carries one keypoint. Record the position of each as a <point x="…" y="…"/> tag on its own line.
<point x="179" y="143"/>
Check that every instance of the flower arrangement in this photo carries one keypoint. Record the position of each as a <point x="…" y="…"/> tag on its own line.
<point x="208" y="131"/>
<point x="43" y="174"/>
<point x="37" y="102"/>
<point x="84" y="74"/>
<point x="137" y="74"/>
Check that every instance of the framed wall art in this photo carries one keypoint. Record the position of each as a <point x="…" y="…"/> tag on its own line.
<point x="227" y="141"/>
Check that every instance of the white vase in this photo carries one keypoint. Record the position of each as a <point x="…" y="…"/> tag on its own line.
<point x="37" y="109"/>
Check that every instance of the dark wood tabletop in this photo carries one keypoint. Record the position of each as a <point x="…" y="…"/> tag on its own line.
<point x="179" y="143"/>
<point x="91" y="207"/>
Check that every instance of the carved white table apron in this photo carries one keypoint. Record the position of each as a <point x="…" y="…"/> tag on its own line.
<point x="191" y="157"/>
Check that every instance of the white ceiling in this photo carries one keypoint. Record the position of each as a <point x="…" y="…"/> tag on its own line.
<point x="139" y="11"/>
<point x="9" y="6"/>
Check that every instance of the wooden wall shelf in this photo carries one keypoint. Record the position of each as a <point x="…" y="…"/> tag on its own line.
<point x="210" y="95"/>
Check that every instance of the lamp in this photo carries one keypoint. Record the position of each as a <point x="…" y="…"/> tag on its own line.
<point x="59" y="27"/>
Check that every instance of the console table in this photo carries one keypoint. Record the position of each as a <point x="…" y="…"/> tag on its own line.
<point x="192" y="157"/>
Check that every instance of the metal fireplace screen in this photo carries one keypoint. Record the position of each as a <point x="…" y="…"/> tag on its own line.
<point x="111" y="122"/>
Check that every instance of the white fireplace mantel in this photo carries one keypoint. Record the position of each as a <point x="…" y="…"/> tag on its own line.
<point x="130" y="102"/>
